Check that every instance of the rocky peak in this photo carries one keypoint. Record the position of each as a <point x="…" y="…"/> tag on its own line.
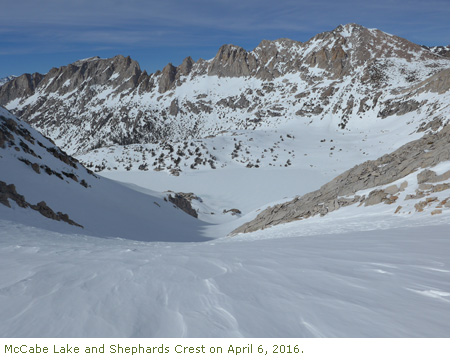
<point x="350" y="46"/>
<point x="119" y="71"/>
<point x="232" y="61"/>
<point x="348" y="30"/>
<point x="170" y="76"/>
<point x="19" y="87"/>
<point x="78" y="62"/>
<point x="186" y="66"/>
<point x="167" y="78"/>
<point x="114" y="70"/>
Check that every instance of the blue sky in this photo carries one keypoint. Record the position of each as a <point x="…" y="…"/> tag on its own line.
<point x="38" y="35"/>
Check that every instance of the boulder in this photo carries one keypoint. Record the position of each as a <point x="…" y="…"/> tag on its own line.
<point x="392" y="189"/>
<point x="183" y="201"/>
<point x="429" y="176"/>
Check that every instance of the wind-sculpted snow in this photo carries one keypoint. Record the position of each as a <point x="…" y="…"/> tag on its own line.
<point x="228" y="140"/>
<point x="380" y="283"/>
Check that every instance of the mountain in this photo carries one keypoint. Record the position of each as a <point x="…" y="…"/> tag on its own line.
<point x="343" y="98"/>
<point x="380" y="269"/>
<point x="6" y="79"/>
<point x="345" y="76"/>
<point x="310" y="176"/>
<point x="42" y="186"/>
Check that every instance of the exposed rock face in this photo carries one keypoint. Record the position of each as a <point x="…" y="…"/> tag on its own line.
<point x="20" y="87"/>
<point x="232" y="61"/>
<point x="341" y="191"/>
<point x="335" y="75"/>
<point x="170" y="75"/>
<point x="167" y="78"/>
<point x="232" y="211"/>
<point x="183" y="201"/>
<point x="438" y="83"/>
<point x="185" y="68"/>
<point x="121" y="71"/>
<point x="19" y="142"/>
<point x="9" y="192"/>
<point x="427" y="176"/>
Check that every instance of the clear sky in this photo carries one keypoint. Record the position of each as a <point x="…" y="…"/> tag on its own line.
<point x="38" y="35"/>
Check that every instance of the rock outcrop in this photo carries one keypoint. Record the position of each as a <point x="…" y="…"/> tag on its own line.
<point x="8" y="192"/>
<point x="183" y="201"/>
<point x="20" y="87"/>
<point x="232" y="61"/>
<point x="21" y="144"/>
<point x="341" y="191"/>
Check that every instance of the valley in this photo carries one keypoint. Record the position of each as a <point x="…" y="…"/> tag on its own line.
<point x="208" y="198"/>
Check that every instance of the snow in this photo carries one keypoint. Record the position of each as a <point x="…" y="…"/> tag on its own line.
<point x="142" y="268"/>
<point x="105" y="208"/>
<point x="6" y="79"/>
<point x="378" y="283"/>
<point x="346" y="30"/>
<point x="401" y="78"/>
<point x="357" y="272"/>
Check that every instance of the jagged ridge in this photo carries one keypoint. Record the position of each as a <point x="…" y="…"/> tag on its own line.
<point x="345" y="72"/>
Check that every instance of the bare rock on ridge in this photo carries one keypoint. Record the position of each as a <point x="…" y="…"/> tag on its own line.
<point x="170" y="74"/>
<point x="9" y="192"/>
<point x="341" y="191"/>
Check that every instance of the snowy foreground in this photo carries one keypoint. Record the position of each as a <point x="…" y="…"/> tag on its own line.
<point x="392" y="281"/>
<point x="357" y="272"/>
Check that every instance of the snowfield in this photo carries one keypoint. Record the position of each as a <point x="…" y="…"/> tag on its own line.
<point x="377" y="283"/>
<point x="135" y="264"/>
<point x="142" y="268"/>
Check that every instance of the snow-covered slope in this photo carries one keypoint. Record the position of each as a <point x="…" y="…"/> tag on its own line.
<point x="440" y="50"/>
<point x="357" y="272"/>
<point x="349" y="274"/>
<point x="51" y="182"/>
<point x="349" y="77"/>
<point x="236" y="136"/>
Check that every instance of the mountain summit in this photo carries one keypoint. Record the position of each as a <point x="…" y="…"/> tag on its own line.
<point x="348" y="73"/>
<point x="354" y="119"/>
